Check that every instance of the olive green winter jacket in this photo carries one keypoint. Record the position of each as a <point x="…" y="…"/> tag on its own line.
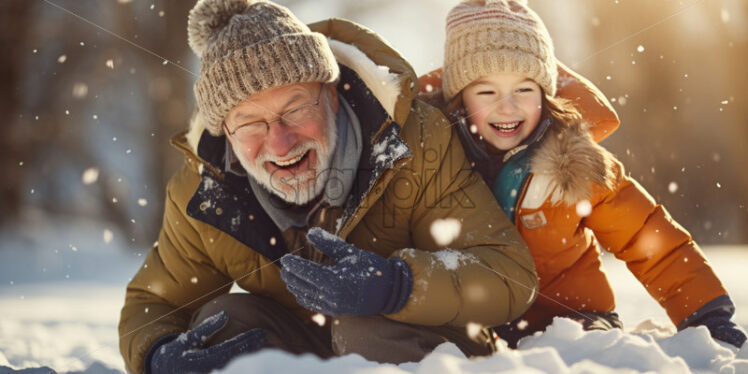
<point x="412" y="173"/>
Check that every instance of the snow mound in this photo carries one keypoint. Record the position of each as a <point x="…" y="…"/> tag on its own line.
<point x="563" y="348"/>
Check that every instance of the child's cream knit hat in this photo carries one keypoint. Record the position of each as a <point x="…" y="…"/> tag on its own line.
<point x="496" y="36"/>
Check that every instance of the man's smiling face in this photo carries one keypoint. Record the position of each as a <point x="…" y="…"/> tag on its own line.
<point x="285" y="138"/>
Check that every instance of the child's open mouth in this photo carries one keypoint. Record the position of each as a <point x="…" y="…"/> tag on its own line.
<point x="507" y="128"/>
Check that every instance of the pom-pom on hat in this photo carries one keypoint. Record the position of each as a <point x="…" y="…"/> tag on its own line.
<point x="496" y="36"/>
<point x="247" y="46"/>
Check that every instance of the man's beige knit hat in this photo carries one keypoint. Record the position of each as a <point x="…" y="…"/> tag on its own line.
<point x="496" y="36"/>
<point x="247" y="46"/>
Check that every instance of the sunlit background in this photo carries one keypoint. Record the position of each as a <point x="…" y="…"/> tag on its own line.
<point x="93" y="90"/>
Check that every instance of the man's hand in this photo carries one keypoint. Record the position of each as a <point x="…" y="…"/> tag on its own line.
<point x="186" y="355"/>
<point x="359" y="283"/>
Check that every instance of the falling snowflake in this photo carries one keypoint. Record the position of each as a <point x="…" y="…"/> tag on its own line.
<point x="584" y="208"/>
<point x="108" y="236"/>
<point x="473" y="329"/>
<point x="444" y="231"/>
<point x="80" y="90"/>
<point x="319" y="319"/>
<point x="90" y="176"/>
<point x="521" y="325"/>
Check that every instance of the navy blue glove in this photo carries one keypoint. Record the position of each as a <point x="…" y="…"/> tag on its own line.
<point x="721" y="328"/>
<point x="715" y="315"/>
<point x="184" y="353"/>
<point x="359" y="283"/>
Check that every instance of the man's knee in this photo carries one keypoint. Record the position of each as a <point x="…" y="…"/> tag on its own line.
<point x="245" y="312"/>
<point x="284" y="330"/>
<point x="380" y="339"/>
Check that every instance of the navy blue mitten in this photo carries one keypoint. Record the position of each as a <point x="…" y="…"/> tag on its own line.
<point x="715" y="315"/>
<point x="359" y="283"/>
<point x="183" y="353"/>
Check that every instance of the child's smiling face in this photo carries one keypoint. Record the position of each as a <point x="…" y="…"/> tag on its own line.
<point x="504" y="108"/>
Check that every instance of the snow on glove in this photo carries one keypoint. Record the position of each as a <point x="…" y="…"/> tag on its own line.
<point x="715" y="315"/>
<point x="186" y="355"/>
<point x="359" y="283"/>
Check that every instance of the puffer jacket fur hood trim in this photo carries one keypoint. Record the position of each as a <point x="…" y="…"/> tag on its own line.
<point x="573" y="164"/>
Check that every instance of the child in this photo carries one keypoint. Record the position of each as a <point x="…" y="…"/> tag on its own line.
<point x="561" y="189"/>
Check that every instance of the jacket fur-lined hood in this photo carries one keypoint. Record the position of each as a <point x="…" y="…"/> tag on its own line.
<point x="572" y="164"/>
<point x="389" y="77"/>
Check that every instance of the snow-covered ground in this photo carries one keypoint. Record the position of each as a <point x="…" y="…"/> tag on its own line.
<point x="62" y="286"/>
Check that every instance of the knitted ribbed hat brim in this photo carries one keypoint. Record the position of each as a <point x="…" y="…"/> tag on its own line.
<point x="496" y="36"/>
<point x="460" y="73"/>
<point x="228" y="81"/>
<point x="249" y="46"/>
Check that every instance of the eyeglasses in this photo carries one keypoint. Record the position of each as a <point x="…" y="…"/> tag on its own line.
<point x="294" y="117"/>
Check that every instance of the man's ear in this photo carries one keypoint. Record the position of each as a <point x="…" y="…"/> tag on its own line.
<point x="333" y="97"/>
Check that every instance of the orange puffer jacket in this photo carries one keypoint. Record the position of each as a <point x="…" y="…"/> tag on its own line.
<point x="577" y="193"/>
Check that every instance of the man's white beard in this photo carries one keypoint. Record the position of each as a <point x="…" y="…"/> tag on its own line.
<point x="304" y="187"/>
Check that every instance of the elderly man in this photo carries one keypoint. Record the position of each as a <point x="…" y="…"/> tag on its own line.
<point x="316" y="182"/>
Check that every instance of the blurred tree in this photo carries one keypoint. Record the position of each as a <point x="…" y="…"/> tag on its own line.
<point x="13" y="29"/>
<point x="91" y="107"/>
<point x="673" y="70"/>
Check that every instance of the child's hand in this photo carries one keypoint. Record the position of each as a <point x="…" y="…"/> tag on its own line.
<point x="715" y="316"/>
<point x="721" y="328"/>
